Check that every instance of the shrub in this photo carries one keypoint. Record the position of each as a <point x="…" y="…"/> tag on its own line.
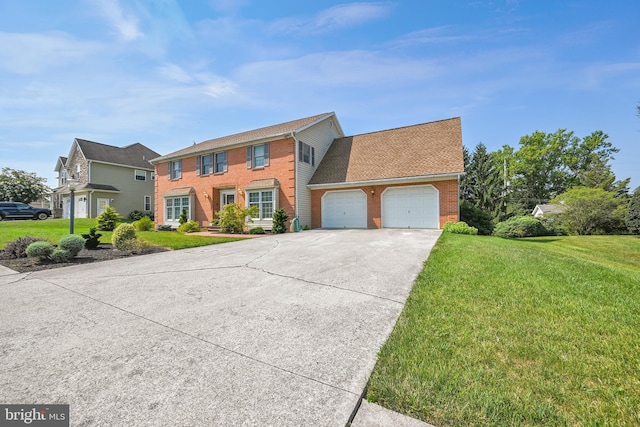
<point x="164" y="227"/>
<point x="133" y="245"/>
<point x="40" y="250"/>
<point x="476" y="217"/>
<point x="306" y="227"/>
<point x="183" y="216"/>
<point x="144" y="224"/>
<point x="122" y="235"/>
<point x="71" y="243"/>
<point x="633" y="214"/>
<point x="189" y="227"/>
<point x="108" y="220"/>
<point x="520" y="226"/>
<point x="232" y="218"/>
<point x="91" y="239"/>
<point x="256" y="230"/>
<point x="137" y="215"/>
<point x="459" y="228"/>
<point x="61" y="255"/>
<point x="18" y="248"/>
<point x="280" y="218"/>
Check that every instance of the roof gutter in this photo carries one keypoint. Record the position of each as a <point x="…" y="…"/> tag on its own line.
<point x="387" y="181"/>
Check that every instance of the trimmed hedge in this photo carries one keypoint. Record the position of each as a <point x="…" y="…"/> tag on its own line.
<point x="521" y="226"/>
<point x="459" y="228"/>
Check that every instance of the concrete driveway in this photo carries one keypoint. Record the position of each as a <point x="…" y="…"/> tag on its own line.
<point x="282" y="330"/>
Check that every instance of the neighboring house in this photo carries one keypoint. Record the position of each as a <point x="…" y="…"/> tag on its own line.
<point x="104" y="175"/>
<point x="541" y="210"/>
<point x="405" y="177"/>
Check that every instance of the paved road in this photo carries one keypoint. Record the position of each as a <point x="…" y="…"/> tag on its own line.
<point x="280" y="331"/>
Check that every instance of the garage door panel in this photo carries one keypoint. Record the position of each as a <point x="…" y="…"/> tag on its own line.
<point x="344" y="209"/>
<point x="410" y="207"/>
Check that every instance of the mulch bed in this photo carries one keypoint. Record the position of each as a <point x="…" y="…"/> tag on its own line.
<point x="103" y="252"/>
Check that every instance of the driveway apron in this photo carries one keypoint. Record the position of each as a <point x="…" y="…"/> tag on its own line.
<point x="280" y="331"/>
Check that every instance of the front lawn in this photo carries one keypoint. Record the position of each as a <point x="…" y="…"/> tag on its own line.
<point x="54" y="229"/>
<point x="527" y="332"/>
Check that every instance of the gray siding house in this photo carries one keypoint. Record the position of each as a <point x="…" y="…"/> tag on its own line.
<point x="104" y="175"/>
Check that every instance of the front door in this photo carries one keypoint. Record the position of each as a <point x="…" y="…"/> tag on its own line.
<point x="227" y="197"/>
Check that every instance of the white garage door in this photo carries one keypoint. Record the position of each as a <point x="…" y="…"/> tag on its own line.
<point x="344" y="209"/>
<point x="410" y="207"/>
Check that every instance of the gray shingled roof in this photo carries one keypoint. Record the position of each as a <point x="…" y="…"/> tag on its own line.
<point x="135" y="155"/>
<point x="433" y="148"/>
<point x="244" y="137"/>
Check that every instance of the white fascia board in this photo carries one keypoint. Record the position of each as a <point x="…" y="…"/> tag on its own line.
<point x="386" y="181"/>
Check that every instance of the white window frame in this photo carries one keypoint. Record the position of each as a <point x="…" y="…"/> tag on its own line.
<point x="139" y="175"/>
<point x="251" y="156"/>
<point x="203" y="168"/>
<point x="63" y="176"/>
<point x="153" y="176"/>
<point x="78" y="170"/>
<point x="175" y="169"/>
<point x="172" y="211"/>
<point x="306" y="153"/>
<point x="146" y="202"/>
<point x="262" y="192"/>
<point x="220" y="162"/>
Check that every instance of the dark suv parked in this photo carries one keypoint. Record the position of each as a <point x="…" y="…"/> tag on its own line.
<point x="17" y="210"/>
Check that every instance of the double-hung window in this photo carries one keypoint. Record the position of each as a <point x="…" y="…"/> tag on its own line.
<point x="204" y="164"/>
<point x="147" y="203"/>
<point x="263" y="199"/>
<point x="140" y="175"/>
<point x="220" y="162"/>
<point x="258" y="156"/>
<point x="175" y="169"/>
<point x="306" y="153"/>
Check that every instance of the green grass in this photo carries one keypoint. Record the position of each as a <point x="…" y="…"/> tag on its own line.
<point x="54" y="229"/>
<point x="528" y="332"/>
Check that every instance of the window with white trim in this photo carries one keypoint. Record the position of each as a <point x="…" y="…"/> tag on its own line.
<point x="220" y="162"/>
<point x="140" y="175"/>
<point x="263" y="199"/>
<point x="306" y="153"/>
<point x="153" y="176"/>
<point x="175" y="169"/>
<point x="204" y="164"/>
<point x="257" y="156"/>
<point x="77" y="172"/>
<point x="174" y="206"/>
<point x="147" y="203"/>
<point x="63" y="176"/>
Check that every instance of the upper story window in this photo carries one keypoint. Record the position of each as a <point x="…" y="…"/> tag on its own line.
<point x="153" y="176"/>
<point x="220" y="160"/>
<point x="77" y="172"/>
<point x="63" y="176"/>
<point x="258" y="156"/>
<point x="140" y="175"/>
<point x="204" y="164"/>
<point x="175" y="169"/>
<point x="306" y="153"/>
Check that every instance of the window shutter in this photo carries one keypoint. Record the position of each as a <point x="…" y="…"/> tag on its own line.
<point x="266" y="154"/>
<point x="224" y="167"/>
<point x="198" y="163"/>
<point x="313" y="154"/>
<point x="249" y="149"/>
<point x="169" y="171"/>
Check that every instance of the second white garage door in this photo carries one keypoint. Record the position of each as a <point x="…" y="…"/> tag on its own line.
<point x="344" y="209"/>
<point x="410" y="207"/>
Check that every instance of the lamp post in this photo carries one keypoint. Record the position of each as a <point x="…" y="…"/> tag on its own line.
<point x="72" y="208"/>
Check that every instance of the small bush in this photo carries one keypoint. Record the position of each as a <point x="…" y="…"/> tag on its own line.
<point x="18" y="248"/>
<point x="133" y="245"/>
<point x="164" y="227"/>
<point x="122" y="235"/>
<point x="189" y="227"/>
<point x="108" y="220"/>
<point x="72" y="243"/>
<point x="306" y="227"/>
<point x="232" y="218"/>
<point x="256" y="230"/>
<point x="521" y="226"/>
<point x="138" y="215"/>
<point x="91" y="239"/>
<point x="40" y="250"/>
<point x="61" y="255"/>
<point x="144" y="224"/>
<point x="459" y="228"/>
<point x="280" y="218"/>
<point x="183" y="216"/>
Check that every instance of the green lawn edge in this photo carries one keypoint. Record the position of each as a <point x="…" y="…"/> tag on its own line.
<point x="526" y="332"/>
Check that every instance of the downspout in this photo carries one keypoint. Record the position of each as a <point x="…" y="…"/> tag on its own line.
<point x="295" y="171"/>
<point x="90" y="203"/>
<point x="458" y="201"/>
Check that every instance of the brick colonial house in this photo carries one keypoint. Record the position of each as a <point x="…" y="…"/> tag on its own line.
<point x="399" y="178"/>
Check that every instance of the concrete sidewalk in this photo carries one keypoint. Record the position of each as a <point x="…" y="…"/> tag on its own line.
<point x="282" y="330"/>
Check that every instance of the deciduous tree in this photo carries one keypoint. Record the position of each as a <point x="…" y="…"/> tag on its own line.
<point x="591" y="211"/>
<point x="21" y="186"/>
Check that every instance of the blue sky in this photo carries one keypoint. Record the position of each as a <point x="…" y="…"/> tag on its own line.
<point x="167" y="73"/>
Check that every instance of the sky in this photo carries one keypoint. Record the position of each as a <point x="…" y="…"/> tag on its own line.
<point x="168" y="73"/>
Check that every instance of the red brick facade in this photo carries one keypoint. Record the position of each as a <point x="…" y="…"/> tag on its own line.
<point x="448" y="193"/>
<point x="238" y="176"/>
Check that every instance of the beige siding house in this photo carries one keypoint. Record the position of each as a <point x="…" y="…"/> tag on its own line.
<point x="104" y="175"/>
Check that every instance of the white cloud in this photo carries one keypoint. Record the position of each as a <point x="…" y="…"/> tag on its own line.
<point x="336" y="17"/>
<point x="430" y="36"/>
<point x="31" y="53"/>
<point x="175" y="73"/>
<point x="124" y="22"/>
